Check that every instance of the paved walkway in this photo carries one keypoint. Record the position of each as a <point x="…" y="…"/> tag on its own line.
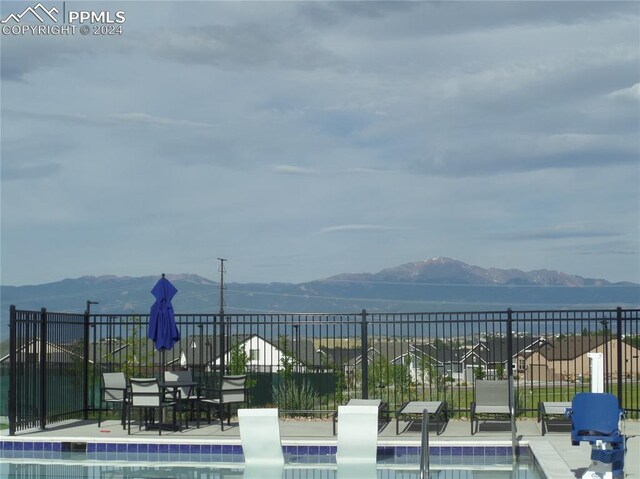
<point x="320" y="432"/>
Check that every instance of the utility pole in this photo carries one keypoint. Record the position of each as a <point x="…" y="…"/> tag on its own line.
<point x="223" y="349"/>
<point x="222" y="260"/>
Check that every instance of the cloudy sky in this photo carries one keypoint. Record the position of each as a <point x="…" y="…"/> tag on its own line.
<point x="305" y="139"/>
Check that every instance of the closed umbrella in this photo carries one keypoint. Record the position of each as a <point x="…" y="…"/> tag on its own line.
<point x="162" y="323"/>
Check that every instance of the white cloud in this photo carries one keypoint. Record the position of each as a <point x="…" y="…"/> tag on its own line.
<point x="146" y="119"/>
<point x="356" y="227"/>
<point x="292" y="170"/>
<point x="632" y="93"/>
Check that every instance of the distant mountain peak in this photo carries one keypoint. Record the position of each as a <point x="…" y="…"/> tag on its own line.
<point x="445" y="270"/>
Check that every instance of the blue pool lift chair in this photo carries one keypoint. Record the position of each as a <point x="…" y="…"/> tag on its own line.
<point x="596" y="418"/>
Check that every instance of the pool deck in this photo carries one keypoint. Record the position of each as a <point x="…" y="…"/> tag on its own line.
<point x="553" y="450"/>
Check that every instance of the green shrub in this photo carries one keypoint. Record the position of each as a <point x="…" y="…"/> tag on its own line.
<point x="290" y="396"/>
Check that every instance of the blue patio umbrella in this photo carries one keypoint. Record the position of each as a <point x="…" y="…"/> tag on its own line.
<point x="162" y="323"/>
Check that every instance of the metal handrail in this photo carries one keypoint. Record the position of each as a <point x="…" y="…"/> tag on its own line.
<point x="512" y="412"/>
<point x="424" y="446"/>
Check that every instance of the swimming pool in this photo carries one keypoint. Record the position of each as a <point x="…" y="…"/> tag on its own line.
<point x="23" y="460"/>
<point x="25" y="471"/>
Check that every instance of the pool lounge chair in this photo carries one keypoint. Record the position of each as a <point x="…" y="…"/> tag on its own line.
<point x="491" y="398"/>
<point x="551" y="411"/>
<point x="356" y="471"/>
<point x="383" y="409"/>
<point x="412" y="410"/>
<point x="260" y="436"/>
<point x="358" y="435"/>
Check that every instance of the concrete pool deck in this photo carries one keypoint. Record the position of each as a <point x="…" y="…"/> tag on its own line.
<point x="554" y="450"/>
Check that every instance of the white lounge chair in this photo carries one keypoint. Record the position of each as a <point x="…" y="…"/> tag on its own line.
<point x="358" y="435"/>
<point x="260" y="436"/>
<point x="383" y="409"/>
<point x="356" y="471"/>
<point x="262" y="471"/>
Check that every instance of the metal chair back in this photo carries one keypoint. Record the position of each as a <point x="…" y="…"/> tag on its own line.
<point x="186" y="392"/>
<point x="114" y="387"/>
<point x="145" y="392"/>
<point x="233" y="389"/>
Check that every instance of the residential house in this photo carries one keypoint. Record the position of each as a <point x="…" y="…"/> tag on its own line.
<point x="566" y="358"/>
<point x="266" y="356"/>
<point x="29" y="353"/>
<point x="460" y="362"/>
<point x="378" y="353"/>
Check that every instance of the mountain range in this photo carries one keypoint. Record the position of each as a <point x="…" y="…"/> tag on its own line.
<point x="444" y="270"/>
<point x="434" y="285"/>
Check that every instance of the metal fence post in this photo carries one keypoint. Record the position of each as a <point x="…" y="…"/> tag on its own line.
<point x="85" y="366"/>
<point x="12" y="370"/>
<point x="512" y="392"/>
<point x="223" y="346"/>
<point x="43" y="367"/>
<point x="364" y="356"/>
<point x="510" y="343"/>
<point x="619" y="353"/>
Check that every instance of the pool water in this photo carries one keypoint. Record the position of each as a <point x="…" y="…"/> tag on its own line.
<point x="77" y="466"/>
<point x="42" y="471"/>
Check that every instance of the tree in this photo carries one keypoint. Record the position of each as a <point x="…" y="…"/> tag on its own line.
<point x="441" y="382"/>
<point x="134" y="356"/>
<point x="239" y="360"/>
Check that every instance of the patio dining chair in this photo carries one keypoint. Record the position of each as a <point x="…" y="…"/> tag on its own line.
<point x="491" y="398"/>
<point x="147" y="396"/>
<point x="188" y="393"/>
<point x="232" y="391"/>
<point x="113" y="392"/>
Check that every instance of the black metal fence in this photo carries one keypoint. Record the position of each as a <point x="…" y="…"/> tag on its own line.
<point x="311" y="363"/>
